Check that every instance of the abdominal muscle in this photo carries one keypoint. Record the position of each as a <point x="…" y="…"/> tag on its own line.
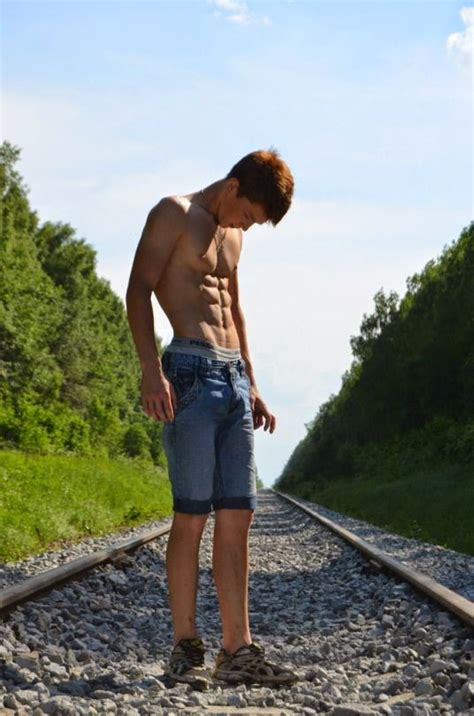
<point x="198" y="305"/>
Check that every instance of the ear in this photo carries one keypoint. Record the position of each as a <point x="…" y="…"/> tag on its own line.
<point x="233" y="186"/>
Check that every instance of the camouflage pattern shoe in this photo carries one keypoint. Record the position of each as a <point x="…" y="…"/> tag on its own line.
<point x="248" y="663"/>
<point x="186" y="663"/>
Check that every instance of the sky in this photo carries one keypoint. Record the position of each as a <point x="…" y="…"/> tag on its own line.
<point x="115" y="104"/>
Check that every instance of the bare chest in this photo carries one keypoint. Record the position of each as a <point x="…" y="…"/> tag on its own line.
<point x="217" y="255"/>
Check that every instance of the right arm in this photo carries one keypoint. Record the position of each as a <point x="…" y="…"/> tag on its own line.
<point x="164" y="225"/>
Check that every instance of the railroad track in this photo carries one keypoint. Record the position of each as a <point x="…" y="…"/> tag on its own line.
<point x="16" y="594"/>
<point x="453" y="602"/>
<point x="360" y="638"/>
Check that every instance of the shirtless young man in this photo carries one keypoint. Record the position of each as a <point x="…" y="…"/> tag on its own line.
<point x="204" y="389"/>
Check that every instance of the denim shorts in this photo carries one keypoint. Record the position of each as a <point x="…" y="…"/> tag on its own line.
<point x="210" y="443"/>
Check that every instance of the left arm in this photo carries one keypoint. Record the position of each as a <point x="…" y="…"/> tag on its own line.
<point x="260" y="413"/>
<point x="239" y="322"/>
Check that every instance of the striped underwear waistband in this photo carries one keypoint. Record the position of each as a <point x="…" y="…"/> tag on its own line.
<point x="201" y="347"/>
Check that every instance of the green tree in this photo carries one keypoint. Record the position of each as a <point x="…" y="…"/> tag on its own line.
<point x="69" y="375"/>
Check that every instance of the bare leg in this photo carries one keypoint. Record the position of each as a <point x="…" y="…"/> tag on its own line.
<point x="231" y="573"/>
<point x="182" y="566"/>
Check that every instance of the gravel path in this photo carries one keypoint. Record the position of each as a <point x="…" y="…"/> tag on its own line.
<point x="361" y="641"/>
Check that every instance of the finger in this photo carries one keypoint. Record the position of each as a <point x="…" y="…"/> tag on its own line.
<point x="149" y="407"/>
<point x="158" y="412"/>
<point x="155" y="408"/>
<point x="272" y="424"/>
<point x="266" y="419"/>
<point x="174" y="399"/>
<point x="168" y="408"/>
<point x="168" y="403"/>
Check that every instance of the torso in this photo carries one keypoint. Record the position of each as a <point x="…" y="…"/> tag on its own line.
<point x="193" y="290"/>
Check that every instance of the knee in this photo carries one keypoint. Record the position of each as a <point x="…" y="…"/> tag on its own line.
<point x="234" y="524"/>
<point x="190" y="524"/>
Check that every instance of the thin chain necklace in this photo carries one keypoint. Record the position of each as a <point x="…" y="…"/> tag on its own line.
<point x="218" y="245"/>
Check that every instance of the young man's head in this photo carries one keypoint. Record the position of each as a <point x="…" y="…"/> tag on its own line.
<point x="258" y="188"/>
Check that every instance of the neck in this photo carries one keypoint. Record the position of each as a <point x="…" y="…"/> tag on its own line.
<point x="210" y="198"/>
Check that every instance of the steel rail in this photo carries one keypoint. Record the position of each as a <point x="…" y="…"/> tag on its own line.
<point x="15" y="594"/>
<point x="455" y="603"/>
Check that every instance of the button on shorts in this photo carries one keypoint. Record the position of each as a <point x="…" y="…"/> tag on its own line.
<point x="210" y="443"/>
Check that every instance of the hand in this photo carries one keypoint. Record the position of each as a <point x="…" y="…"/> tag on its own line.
<point x="260" y="412"/>
<point x="158" y="396"/>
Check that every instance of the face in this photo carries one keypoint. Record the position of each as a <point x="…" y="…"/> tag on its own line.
<point x="238" y="212"/>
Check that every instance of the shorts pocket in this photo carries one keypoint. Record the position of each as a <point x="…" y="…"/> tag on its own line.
<point x="186" y="384"/>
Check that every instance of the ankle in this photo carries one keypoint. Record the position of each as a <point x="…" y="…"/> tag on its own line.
<point x="231" y="648"/>
<point x="194" y="635"/>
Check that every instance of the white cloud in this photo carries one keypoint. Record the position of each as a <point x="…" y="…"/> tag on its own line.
<point x="461" y="44"/>
<point x="237" y="12"/>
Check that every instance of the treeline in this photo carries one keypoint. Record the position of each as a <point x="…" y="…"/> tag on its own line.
<point x="69" y="376"/>
<point x="407" y="401"/>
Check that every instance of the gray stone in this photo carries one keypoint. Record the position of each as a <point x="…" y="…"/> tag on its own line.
<point x="467" y="692"/>
<point x="411" y="670"/>
<point x="10" y="702"/>
<point x="27" y="662"/>
<point x="441" y="679"/>
<point x="457" y="700"/>
<point x="423" y="686"/>
<point x="59" y="706"/>
<point x="438" y="665"/>
<point x="331" y="691"/>
<point x="55" y="669"/>
<point x="26" y="696"/>
<point x="394" y="686"/>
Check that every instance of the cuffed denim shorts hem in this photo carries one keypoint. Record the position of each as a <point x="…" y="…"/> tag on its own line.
<point x="236" y="503"/>
<point x="192" y="507"/>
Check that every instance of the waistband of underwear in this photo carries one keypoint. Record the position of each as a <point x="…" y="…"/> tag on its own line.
<point x="201" y="347"/>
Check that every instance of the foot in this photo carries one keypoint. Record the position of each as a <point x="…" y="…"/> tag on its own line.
<point x="186" y="663"/>
<point x="248" y="663"/>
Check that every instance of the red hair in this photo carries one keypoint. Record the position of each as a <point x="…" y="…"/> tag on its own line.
<point x="264" y="178"/>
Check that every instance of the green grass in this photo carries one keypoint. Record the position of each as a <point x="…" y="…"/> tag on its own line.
<point x="435" y="506"/>
<point x="46" y="500"/>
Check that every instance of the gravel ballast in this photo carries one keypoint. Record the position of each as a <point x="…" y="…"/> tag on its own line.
<point x="451" y="569"/>
<point x="361" y="641"/>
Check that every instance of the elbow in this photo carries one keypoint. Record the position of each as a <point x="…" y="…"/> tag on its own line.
<point x="136" y="291"/>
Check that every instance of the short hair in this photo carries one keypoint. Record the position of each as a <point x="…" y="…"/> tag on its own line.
<point x="264" y="178"/>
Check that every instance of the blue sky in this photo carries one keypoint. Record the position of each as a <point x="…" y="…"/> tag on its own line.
<point x="116" y="104"/>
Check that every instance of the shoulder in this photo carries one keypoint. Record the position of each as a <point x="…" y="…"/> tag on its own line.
<point x="168" y="216"/>
<point x="169" y="207"/>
